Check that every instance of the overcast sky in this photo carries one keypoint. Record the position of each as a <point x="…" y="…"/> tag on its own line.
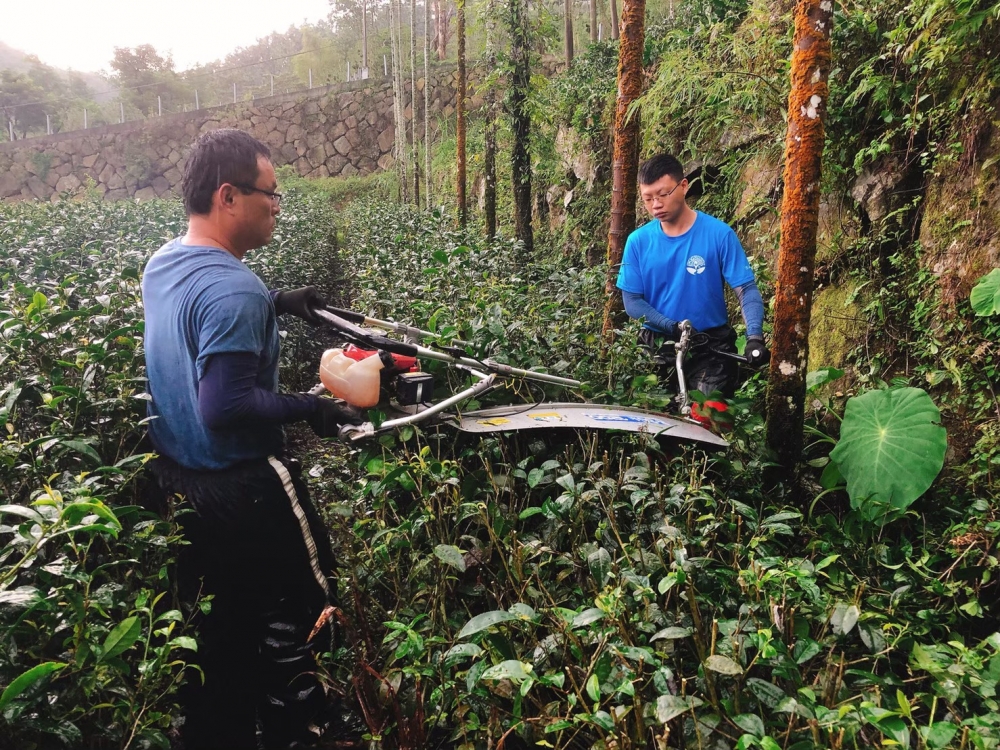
<point x="82" y="34"/>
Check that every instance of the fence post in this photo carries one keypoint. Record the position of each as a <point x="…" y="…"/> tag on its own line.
<point x="121" y="112"/>
<point x="159" y="107"/>
<point x="385" y="66"/>
<point x="310" y="77"/>
<point x="10" y="129"/>
<point x="197" y="104"/>
<point x="48" y="126"/>
<point x="272" y="84"/>
<point x="348" y="70"/>
<point x="600" y="28"/>
<point x="84" y="118"/>
<point x="234" y="92"/>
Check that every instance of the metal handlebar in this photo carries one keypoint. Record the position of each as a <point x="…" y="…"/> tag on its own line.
<point x="415" y="350"/>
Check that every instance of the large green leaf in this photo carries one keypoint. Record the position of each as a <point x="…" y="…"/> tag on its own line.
<point x="450" y="555"/>
<point x="512" y="669"/>
<point x="484" y="621"/>
<point x="121" y="638"/>
<point x="985" y="297"/>
<point x="27" y="679"/>
<point x="891" y="448"/>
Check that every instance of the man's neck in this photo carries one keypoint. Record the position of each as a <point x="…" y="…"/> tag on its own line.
<point x="203" y="231"/>
<point x="681" y="224"/>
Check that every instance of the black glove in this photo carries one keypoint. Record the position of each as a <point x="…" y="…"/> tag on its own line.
<point x="301" y="303"/>
<point x="330" y="415"/>
<point x="756" y="353"/>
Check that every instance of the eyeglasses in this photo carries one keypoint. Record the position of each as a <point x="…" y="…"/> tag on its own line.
<point x="275" y="197"/>
<point x="665" y="195"/>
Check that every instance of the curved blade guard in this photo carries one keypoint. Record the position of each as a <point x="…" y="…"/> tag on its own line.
<point x="587" y="417"/>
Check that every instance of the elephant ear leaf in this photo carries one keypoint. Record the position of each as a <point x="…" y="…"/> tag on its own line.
<point x="985" y="297"/>
<point x="891" y="448"/>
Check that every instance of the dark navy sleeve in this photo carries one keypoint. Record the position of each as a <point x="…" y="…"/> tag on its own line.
<point x="228" y="395"/>
<point x="752" y="306"/>
<point x="637" y="307"/>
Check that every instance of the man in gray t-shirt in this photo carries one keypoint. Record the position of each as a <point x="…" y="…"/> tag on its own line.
<point x="256" y="544"/>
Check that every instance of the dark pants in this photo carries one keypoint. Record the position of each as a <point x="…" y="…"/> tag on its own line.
<point x="704" y="370"/>
<point x="257" y="547"/>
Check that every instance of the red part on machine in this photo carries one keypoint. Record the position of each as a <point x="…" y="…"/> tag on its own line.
<point x="400" y="362"/>
<point x="712" y="414"/>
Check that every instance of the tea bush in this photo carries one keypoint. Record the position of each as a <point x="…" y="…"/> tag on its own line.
<point x="89" y="635"/>
<point x="550" y="590"/>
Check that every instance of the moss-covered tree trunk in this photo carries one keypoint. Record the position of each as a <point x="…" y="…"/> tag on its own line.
<point x="490" y="127"/>
<point x="517" y="107"/>
<point x="568" y="26"/>
<point x="625" y="165"/>
<point x="811" y="61"/>
<point x="460" y="115"/>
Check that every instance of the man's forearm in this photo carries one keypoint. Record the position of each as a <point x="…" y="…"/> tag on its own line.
<point x="228" y="395"/>
<point x="752" y="306"/>
<point x="637" y="307"/>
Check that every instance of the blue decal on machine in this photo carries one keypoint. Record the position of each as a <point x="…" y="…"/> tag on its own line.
<point x="629" y="418"/>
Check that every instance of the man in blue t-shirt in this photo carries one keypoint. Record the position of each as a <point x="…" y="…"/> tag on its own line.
<point x="673" y="269"/>
<point x="255" y="542"/>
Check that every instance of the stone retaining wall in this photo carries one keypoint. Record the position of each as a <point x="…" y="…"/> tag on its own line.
<point x="346" y="129"/>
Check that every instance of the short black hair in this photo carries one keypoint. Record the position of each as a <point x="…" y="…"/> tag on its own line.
<point x="659" y="166"/>
<point x="218" y="157"/>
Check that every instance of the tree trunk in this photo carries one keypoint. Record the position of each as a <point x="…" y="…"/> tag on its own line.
<point x="364" y="35"/>
<point x="615" y="31"/>
<point x="460" y="116"/>
<point x="490" y="128"/>
<point x="625" y="166"/>
<point x="413" y="104"/>
<point x="811" y="62"/>
<point x="427" y="109"/>
<point x="593" y="21"/>
<point x="399" y="150"/>
<point x="568" y="17"/>
<point x="517" y="103"/>
<point x="441" y="32"/>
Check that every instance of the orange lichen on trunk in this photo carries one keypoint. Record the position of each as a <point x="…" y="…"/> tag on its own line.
<point x="810" y="71"/>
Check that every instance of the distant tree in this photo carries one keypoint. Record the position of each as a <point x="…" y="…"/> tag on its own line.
<point x="443" y="11"/>
<point x="21" y="102"/>
<point x="322" y="55"/>
<point x="143" y="75"/>
<point x="614" y="19"/>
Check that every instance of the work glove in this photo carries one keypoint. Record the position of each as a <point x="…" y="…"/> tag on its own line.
<point x="301" y="303"/>
<point x="756" y="353"/>
<point x="331" y="415"/>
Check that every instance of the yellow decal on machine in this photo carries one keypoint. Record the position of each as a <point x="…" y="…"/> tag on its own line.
<point x="495" y="422"/>
<point x="546" y="416"/>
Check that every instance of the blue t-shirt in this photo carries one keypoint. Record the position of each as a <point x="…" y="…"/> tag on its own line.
<point x="681" y="277"/>
<point x="201" y="301"/>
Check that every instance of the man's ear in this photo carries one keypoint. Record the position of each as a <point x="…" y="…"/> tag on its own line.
<point x="226" y="195"/>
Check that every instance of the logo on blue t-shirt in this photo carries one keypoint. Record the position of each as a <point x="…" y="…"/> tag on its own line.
<point x="696" y="264"/>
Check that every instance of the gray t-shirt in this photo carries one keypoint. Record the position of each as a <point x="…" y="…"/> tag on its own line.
<point x="201" y="301"/>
